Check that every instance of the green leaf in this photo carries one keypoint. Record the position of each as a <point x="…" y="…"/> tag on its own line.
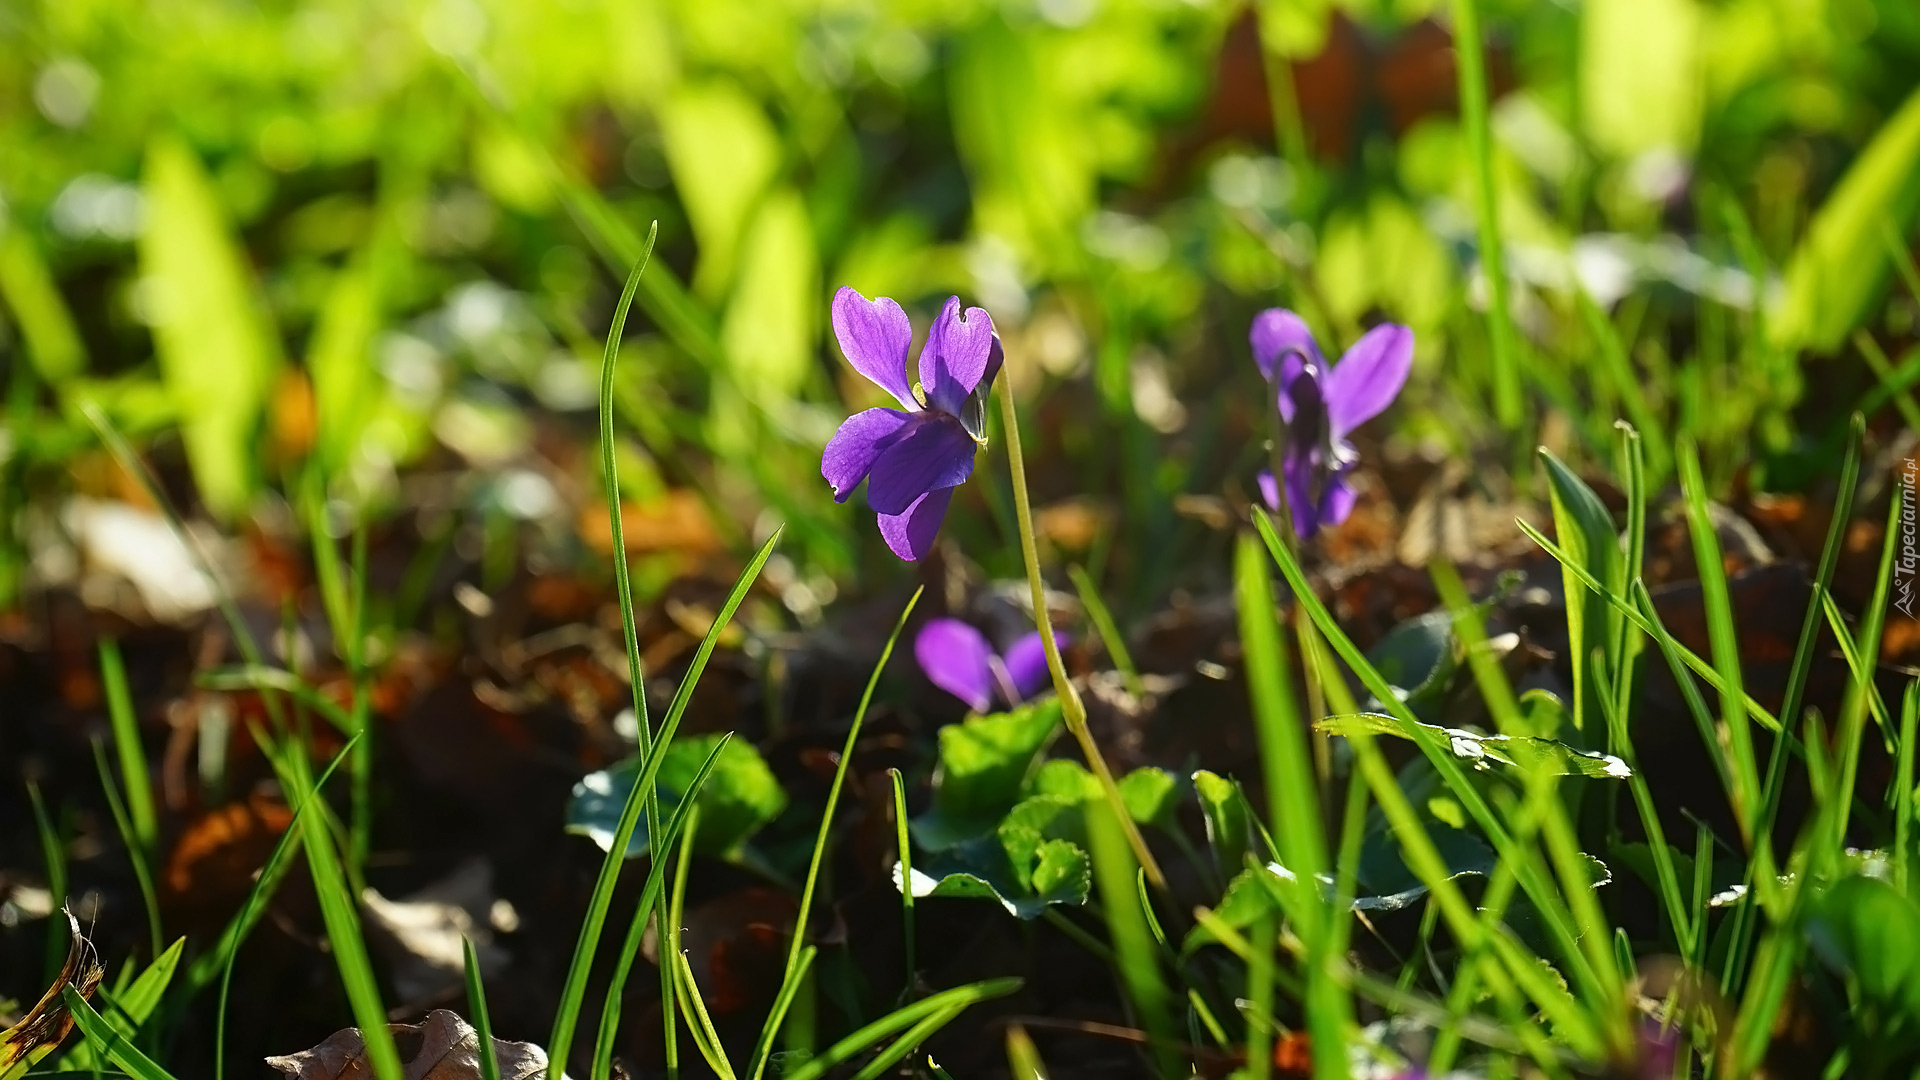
<point x="1246" y="900"/>
<point x="1059" y="872"/>
<point x="984" y="763"/>
<point x="1152" y="796"/>
<point x="1417" y="657"/>
<point x="723" y="153"/>
<point x="133" y="1006"/>
<point x="117" y="1049"/>
<point x="1389" y="884"/>
<point x="1586" y="533"/>
<point x="738" y="800"/>
<point x="1864" y="926"/>
<point x="217" y="352"/>
<point x="46" y="325"/>
<point x="1837" y="278"/>
<point x="1229" y="827"/>
<point x="1034" y="857"/>
<point x="1528" y="754"/>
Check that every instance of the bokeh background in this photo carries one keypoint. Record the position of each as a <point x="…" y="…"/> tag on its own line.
<point x="379" y="243"/>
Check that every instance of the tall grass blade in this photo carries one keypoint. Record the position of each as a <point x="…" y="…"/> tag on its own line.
<point x="899" y="1019"/>
<point x="126" y="743"/>
<point x="1493" y="263"/>
<point x="1133" y="945"/>
<point x="54" y="853"/>
<point x="906" y="874"/>
<point x="679" y="827"/>
<point x="112" y="1043"/>
<point x="477" y="1008"/>
<point x="763" y="1048"/>
<point x="1110" y="636"/>
<point x="1293" y="805"/>
<point x="904" y="1045"/>
<point x="694" y="1008"/>
<point x="142" y="876"/>
<point x="340" y="914"/>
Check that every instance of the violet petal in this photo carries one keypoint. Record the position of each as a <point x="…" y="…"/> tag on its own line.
<point x="910" y="534"/>
<point x="1026" y="663"/>
<point x="1301" y="502"/>
<point x="862" y="438"/>
<point x="957" y="659"/>
<point x="875" y="335"/>
<point x="1368" y="377"/>
<point x="1281" y="345"/>
<point x="1338" y="499"/>
<point x="1269" y="491"/>
<point x="932" y="452"/>
<point x="956" y="355"/>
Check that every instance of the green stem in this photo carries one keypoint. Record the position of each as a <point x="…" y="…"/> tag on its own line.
<point x="1071" y="707"/>
<point x="1493" y="263"/>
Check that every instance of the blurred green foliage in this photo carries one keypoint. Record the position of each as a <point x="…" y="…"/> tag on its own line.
<point x="425" y="208"/>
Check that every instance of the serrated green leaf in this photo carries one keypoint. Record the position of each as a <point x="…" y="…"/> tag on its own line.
<point x="984" y="764"/>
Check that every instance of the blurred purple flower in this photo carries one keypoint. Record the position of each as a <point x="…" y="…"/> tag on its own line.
<point x="1659" y="1048"/>
<point x="912" y="457"/>
<point x="956" y="658"/>
<point x="1321" y="403"/>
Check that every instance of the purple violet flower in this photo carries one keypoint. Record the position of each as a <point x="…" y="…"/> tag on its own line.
<point x="1321" y="403"/>
<point x="956" y="658"/>
<point x="912" y="457"/>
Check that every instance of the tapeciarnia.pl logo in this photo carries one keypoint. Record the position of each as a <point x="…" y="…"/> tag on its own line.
<point x="1909" y="560"/>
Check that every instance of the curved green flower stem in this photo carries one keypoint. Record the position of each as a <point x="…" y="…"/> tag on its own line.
<point x="1071" y="708"/>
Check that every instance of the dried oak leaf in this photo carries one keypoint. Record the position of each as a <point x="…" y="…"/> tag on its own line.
<point x="35" y="1036"/>
<point x="443" y="1047"/>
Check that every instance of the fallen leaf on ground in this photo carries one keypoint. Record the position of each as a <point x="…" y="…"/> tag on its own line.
<point x="424" y="930"/>
<point x="443" y="1047"/>
<point x="35" y="1036"/>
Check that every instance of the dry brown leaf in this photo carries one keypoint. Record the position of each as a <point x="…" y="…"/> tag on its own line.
<point x="676" y="521"/>
<point x="220" y="850"/>
<point x="35" y="1036"/>
<point x="423" y="934"/>
<point x="444" y="1047"/>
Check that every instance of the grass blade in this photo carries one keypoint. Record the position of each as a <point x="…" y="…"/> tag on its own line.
<point x="1109" y="631"/>
<point x="477" y="1006"/>
<point x="341" y="916"/>
<point x="126" y="741"/>
<point x="1293" y="805"/>
<point x="142" y="876"/>
<point x="55" y="854"/>
<point x="904" y="1045"/>
<point x="694" y="1008"/>
<point x="764" y="1047"/>
<point x="114" y="1045"/>
<point x="906" y="873"/>
<point x="901" y="1018"/>
<point x="1493" y="263"/>
<point x="680" y="826"/>
<point x="567" y="1018"/>
<point x="228" y="949"/>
